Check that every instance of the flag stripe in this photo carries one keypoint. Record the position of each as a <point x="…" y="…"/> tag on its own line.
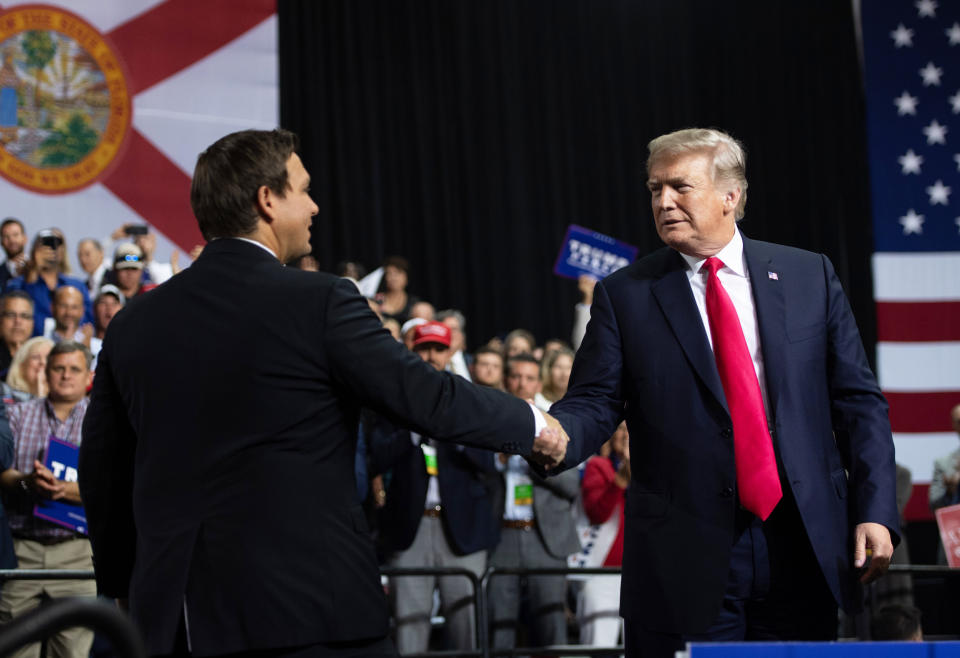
<point x="918" y="321"/>
<point x="156" y="189"/>
<point x="922" y="412"/>
<point x="918" y="451"/>
<point x="918" y="507"/>
<point x="916" y="277"/>
<point x="201" y="27"/>
<point x="918" y="367"/>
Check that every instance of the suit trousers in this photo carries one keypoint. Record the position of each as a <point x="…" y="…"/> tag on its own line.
<point x="547" y="594"/>
<point x="775" y="591"/>
<point x="413" y="595"/>
<point x="21" y="596"/>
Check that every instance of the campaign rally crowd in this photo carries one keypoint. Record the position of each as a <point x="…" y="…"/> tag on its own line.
<point x="428" y="503"/>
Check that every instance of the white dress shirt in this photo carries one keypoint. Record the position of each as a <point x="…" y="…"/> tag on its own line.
<point x="735" y="279"/>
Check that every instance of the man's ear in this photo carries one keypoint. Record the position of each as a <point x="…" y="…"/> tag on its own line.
<point x="731" y="198"/>
<point x="265" y="203"/>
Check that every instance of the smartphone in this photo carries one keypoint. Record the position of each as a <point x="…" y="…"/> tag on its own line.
<point x="136" y="229"/>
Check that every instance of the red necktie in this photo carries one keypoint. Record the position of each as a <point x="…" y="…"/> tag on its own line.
<point x="757" y="481"/>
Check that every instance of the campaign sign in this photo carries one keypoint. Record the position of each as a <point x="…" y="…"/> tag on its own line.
<point x="948" y="520"/>
<point x="588" y="252"/>
<point x="61" y="459"/>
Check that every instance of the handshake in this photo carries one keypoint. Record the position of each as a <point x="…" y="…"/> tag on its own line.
<point x="550" y="447"/>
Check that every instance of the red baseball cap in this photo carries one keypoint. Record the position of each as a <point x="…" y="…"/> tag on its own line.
<point x="432" y="332"/>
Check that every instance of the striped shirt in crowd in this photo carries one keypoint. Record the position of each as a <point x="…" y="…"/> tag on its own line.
<point x="32" y="424"/>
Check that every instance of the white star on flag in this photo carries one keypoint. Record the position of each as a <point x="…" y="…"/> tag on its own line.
<point x="956" y="158"/>
<point x="955" y="102"/>
<point x="906" y="104"/>
<point x="926" y="8"/>
<point x="957" y="222"/>
<point x="953" y="34"/>
<point x="936" y="134"/>
<point x="902" y="36"/>
<point x="912" y="222"/>
<point x="910" y="162"/>
<point x="938" y="193"/>
<point x="931" y="74"/>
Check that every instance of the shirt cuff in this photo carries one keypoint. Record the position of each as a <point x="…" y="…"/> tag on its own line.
<point x="539" y="422"/>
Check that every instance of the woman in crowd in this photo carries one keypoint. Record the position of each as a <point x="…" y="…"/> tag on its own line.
<point x="27" y="378"/>
<point x="554" y="376"/>
<point x="47" y="269"/>
<point x="518" y="341"/>
<point x="605" y="481"/>
<point x="393" y="299"/>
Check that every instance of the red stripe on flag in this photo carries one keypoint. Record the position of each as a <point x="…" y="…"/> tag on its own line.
<point x="918" y="507"/>
<point x="918" y="321"/>
<point x="922" y="412"/>
<point x="158" y="190"/>
<point x="197" y="28"/>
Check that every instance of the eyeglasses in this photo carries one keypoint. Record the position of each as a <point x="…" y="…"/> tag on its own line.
<point x="10" y="315"/>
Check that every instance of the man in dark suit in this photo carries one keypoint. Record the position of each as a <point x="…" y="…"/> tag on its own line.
<point x="217" y="467"/>
<point x="763" y="471"/>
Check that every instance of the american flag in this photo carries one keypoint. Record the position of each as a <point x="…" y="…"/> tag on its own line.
<point x="912" y="70"/>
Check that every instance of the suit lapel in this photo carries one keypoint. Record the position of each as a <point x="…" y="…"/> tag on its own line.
<point x="771" y="315"/>
<point x="673" y="294"/>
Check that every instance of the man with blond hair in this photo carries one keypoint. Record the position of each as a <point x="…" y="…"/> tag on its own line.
<point x="762" y="459"/>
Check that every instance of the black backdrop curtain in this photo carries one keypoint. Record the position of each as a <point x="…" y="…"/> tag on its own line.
<point x="467" y="135"/>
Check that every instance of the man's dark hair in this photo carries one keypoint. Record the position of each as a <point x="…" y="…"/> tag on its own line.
<point x="524" y="357"/>
<point x="398" y="262"/>
<point x="229" y="173"/>
<point x="12" y="220"/>
<point x="68" y="346"/>
<point x="895" y="623"/>
<point x="15" y="294"/>
<point x="486" y="349"/>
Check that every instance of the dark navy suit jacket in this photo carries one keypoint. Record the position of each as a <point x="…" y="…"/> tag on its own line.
<point x="232" y="490"/>
<point x="466" y="477"/>
<point x="646" y="358"/>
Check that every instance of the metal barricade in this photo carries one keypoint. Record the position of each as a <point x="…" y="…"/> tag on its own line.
<point x="102" y="617"/>
<point x="561" y="650"/>
<point x="479" y="607"/>
<point x="59" y="614"/>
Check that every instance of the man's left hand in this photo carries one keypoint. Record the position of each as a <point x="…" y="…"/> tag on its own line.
<point x="875" y="538"/>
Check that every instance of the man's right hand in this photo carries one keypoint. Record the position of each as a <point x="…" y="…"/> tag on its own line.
<point x="550" y="448"/>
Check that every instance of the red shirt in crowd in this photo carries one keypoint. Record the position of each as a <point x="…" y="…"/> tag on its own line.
<point x="601" y="495"/>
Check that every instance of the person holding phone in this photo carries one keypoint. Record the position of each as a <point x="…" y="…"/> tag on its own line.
<point x="47" y="269"/>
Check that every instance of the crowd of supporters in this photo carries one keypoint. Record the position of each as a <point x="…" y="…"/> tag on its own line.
<point x="430" y="504"/>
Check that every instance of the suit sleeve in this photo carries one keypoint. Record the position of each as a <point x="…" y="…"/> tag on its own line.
<point x="105" y="471"/>
<point x="385" y="376"/>
<point x="593" y="405"/>
<point x="860" y="419"/>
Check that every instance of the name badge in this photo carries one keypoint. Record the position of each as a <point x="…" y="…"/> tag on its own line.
<point x="429" y="458"/>
<point x="523" y="493"/>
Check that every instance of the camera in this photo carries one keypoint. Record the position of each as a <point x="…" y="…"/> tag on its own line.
<point x="136" y="229"/>
<point x="52" y="241"/>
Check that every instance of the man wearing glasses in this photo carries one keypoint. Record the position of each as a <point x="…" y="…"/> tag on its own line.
<point x="16" y="325"/>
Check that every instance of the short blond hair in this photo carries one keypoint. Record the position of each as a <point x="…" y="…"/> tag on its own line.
<point x="729" y="156"/>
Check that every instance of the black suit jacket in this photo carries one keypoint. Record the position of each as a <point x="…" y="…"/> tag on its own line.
<point x="217" y="466"/>
<point x="646" y="357"/>
<point x="466" y="478"/>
